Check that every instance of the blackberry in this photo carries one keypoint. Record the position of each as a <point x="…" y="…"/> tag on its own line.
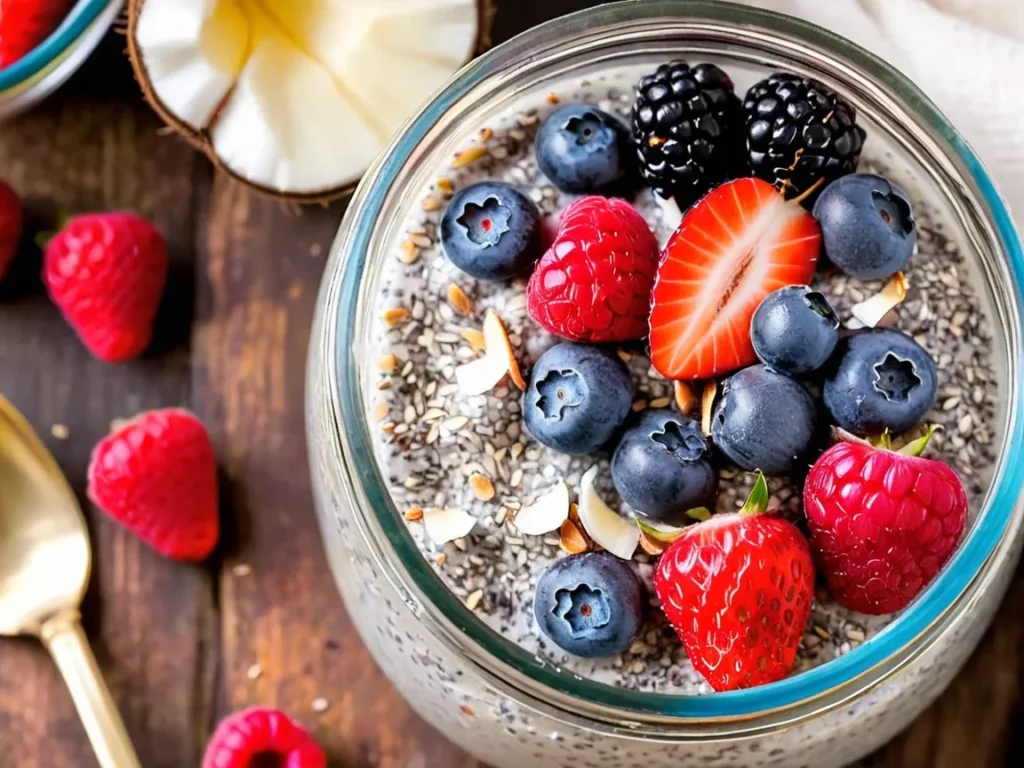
<point x="799" y="131"/>
<point x="687" y="127"/>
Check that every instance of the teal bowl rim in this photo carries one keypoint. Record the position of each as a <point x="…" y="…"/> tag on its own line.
<point x="951" y="583"/>
<point x="53" y="47"/>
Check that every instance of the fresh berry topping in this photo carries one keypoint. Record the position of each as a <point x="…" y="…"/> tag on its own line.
<point x="259" y="737"/>
<point x="24" y="24"/>
<point x="799" y="132"/>
<point x="738" y="590"/>
<point x="794" y="330"/>
<point x="11" y="219"/>
<point x="577" y="398"/>
<point x="594" y="283"/>
<point x="883" y="523"/>
<point x="686" y="127"/>
<point x="734" y="247"/>
<point x="106" y="273"/>
<point x="583" y="150"/>
<point x="881" y="379"/>
<point x="491" y="231"/>
<point x="589" y="605"/>
<point x="764" y="420"/>
<point x="867" y="226"/>
<point x="662" y="467"/>
<point x="157" y="476"/>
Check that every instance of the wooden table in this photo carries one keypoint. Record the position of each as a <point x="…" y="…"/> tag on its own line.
<point x="262" y="622"/>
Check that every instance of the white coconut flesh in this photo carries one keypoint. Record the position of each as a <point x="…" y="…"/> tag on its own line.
<point x="299" y="96"/>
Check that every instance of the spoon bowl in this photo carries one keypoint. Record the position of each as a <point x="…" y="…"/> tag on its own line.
<point x="45" y="557"/>
<point x="45" y="560"/>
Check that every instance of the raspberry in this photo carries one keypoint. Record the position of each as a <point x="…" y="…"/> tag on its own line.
<point x="594" y="283"/>
<point x="106" y="273"/>
<point x="262" y="736"/>
<point x="883" y="523"/>
<point x="157" y="476"/>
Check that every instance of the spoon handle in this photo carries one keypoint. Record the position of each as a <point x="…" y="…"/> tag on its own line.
<point x="64" y="637"/>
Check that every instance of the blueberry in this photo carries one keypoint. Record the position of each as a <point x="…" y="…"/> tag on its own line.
<point x="867" y="226"/>
<point x="582" y="149"/>
<point x="794" y="330"/>
<point x="578" y="396"/>
<point x="491" y="231"/>
<point x="590" y="605"/>
<point x="662" y="467"/>
<point x="764" y="420"/>
<point x="880" y="379"/>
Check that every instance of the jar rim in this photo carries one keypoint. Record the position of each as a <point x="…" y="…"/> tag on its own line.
<point x="78" y="20"/>
<point x="513" y="664"/>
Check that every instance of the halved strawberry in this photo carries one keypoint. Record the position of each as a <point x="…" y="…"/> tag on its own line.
<point x="734" y="247"/>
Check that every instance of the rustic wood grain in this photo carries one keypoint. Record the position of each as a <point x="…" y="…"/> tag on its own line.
<point x="92" y="148"/>
<point x="256" y="290"/>
<point x="181" y="646"/>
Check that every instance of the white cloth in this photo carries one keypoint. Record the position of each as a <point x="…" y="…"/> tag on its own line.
<point x="966" y="55"/>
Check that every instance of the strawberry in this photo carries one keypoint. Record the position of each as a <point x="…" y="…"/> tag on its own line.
<point x="594" y="282"/>
<point x="734" y="247"/>
<point x="261" y="736"/>
<point x="11" y="219"/>
<point x="106" y="273"/>
<point x="738" y="589"/>
<point x="24" y="24"/>
<point x="157" y="476"/>
<point x="883" y="522"/>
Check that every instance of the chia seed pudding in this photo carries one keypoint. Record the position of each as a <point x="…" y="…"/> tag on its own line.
<point x="440" y="448"/>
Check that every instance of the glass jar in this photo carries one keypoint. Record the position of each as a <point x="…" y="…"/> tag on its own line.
<point x="34" y="77"/>
<point x="502" y="704"/>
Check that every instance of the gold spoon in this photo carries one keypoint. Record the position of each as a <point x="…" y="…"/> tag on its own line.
<point x="45" y="561"/>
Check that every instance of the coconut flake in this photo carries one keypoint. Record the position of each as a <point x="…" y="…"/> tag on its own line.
<point x="484" y="374"/>
<point x="481" y="375"/>
<point x="707" y="402"/>
<point x="671" y="216"/>
<point x="444" y="525"/>
<point x="546" y="513"/>
<point x="872" y="311"/>
<point x="604" y="525"/>
<point x="498" y="344"/>
<point x="686" y="401"/>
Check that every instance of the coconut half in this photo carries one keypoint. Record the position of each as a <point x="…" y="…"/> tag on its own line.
<point x="297" y="97"/>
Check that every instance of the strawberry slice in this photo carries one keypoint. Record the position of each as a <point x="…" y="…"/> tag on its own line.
<point x="734" y="247"/>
